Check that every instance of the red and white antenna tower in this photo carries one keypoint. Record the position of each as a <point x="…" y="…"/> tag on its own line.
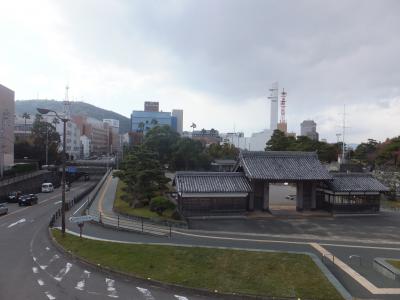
<point x="283" y="106"/>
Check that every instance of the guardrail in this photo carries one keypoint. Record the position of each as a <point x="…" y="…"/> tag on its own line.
<point x="123" y="223"/>
<point x="69" y="204"/>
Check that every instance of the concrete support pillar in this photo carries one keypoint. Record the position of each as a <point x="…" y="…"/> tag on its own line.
<point x="266" y="197"/>
<point x="299" y="196"/>
<point x="313" y="195"/>
<point x="251" y="197"/>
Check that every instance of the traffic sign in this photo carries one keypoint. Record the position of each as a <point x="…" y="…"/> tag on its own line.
<point x="80" y="219"/>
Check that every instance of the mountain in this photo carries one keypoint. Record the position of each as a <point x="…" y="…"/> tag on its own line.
<point x="77" y="108"/>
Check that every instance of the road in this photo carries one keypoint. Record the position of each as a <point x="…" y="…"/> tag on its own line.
<point x="31" y="268"/>
<point x="366" y="237"/>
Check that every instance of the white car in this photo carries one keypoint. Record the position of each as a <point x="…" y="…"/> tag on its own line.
<point x="47" y="187"/>
<point x="3" y="209"/>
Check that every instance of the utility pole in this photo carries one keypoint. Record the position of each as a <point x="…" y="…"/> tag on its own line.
<point x="343" y="133"/>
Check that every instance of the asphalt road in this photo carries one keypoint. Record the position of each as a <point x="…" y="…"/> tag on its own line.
<point x="367" y="237"/>
<point x="31" y="268"/>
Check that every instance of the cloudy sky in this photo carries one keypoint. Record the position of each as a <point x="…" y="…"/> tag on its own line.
<point x="214" y="59"/>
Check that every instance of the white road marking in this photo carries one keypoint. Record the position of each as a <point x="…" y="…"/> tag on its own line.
<point x="47" y="248"/>
<point x="146" y="293"/>
<point x="55" y="256"/>
<point x="34" y="258"/>
<point x="180" y="297"/>
<point x="63" y="272"/>
<point x="81" y="284"/>
<point x="15" y="223"/>
<point x="57" y="202"/>
<point x="35" y="270"/>
<point x="50" y="296"/>
<point x="40" y="282"/>
<point x="111" y="288"/>
<point x="43" y="267"/>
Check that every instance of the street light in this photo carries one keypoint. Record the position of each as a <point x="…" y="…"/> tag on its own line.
<point x="64" y="120"/>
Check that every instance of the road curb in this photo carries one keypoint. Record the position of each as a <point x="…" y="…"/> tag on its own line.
<point x="159" y="284"/>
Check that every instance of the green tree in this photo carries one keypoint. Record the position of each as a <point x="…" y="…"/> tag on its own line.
<point x="44" y="133"/>
<point x="224" y="151"/>
<point x="189" y="154"/>
<point x="280" y="142"/>
<point x="162" y="139"/>
<point x="366" y="152"/>
<point x="143" y="175"/>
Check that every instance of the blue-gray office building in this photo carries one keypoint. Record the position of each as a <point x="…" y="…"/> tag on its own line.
<point x="145" y="120"/>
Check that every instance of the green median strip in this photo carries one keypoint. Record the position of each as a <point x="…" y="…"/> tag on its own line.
<point x="394" y="263"/>
<point x="122" y="206"/>
<point x="229" y="271"/>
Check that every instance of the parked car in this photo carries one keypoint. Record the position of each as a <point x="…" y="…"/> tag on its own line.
<point x="13" y="197"/>
<point x="28" y="199"/>
<point x="47" y="187"/>
<point x="290" y="197"/>
<point x="3" y="209"/>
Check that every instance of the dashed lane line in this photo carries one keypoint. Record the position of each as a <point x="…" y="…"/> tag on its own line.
<point x="23" y="220"/>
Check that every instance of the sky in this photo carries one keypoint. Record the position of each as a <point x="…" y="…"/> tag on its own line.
<point x="215" y="59"/>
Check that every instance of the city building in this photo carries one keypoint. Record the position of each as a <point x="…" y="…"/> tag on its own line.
<point x="85" y="147"/>
<point x="308" y="128"/>
<point x="178" y="114"/>
<point x="143" y="121"/>
<point x="96" y="131"/>
<point x="72" y="138"/>
<point x="206" y="137"/>
<point x="114" y="138"/>
<point x="23" y="127"/>
<point x="151" y="106"/>
<point x="7" y="111"/>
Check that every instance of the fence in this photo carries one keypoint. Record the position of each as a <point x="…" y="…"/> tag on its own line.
<point x="70" y="204"/>
<point x="123" y="223"/>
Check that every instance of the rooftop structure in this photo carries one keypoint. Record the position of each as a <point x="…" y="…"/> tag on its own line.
<point x="282" y="165"/>
<point x="151" y="106"/>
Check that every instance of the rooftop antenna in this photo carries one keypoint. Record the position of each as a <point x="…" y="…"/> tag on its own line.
<point x="344" y="133"/>
<point x="67" y="104"/>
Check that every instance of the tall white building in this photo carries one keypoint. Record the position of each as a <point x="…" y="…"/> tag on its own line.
<point x="274" y="97"/>
<point x="7" y="111"/>
<point x="72" y="137"/>
<point x="178" y="114"/>
<point x="309" y="128"/>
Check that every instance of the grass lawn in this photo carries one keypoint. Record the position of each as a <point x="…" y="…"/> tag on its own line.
<point x="390" y="204"/>
<point x="395" y="263"/>
<point x="256" y="273"/>
<point x="123" y="206"/>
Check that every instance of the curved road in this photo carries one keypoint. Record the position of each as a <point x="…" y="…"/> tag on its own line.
<point x="31" y="268"/>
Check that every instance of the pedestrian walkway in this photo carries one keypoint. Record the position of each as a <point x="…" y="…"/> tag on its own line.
<point x="102" y="210"/>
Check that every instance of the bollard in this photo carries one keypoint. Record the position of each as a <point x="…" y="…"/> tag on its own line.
<point x="170" y="230"/>
<point x="118" y="222"/>
<point x="100" y="220"/>
<point x="142" y="222"/>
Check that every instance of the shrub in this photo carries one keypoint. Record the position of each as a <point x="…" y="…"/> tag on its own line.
<point x="159" y="204"/>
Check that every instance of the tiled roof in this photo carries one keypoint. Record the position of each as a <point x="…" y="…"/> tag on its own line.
<point x="356" y="182"/>
<point x="283" y="165"/>
<point x="211" y="182"/>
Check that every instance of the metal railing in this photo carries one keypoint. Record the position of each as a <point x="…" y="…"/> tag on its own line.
<point x="124" y="223"/>
<point x="69" y="204"/>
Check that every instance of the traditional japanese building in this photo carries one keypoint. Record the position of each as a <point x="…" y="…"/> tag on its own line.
<point x="247" y="189"/>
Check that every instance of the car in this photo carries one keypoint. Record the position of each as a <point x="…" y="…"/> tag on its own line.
<point x="13" y="197"/>
<point x="290" y="197"/>
<point x="47" y="187"/>
<point x="3" y="209"/>
<point x="28" y="199"/>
